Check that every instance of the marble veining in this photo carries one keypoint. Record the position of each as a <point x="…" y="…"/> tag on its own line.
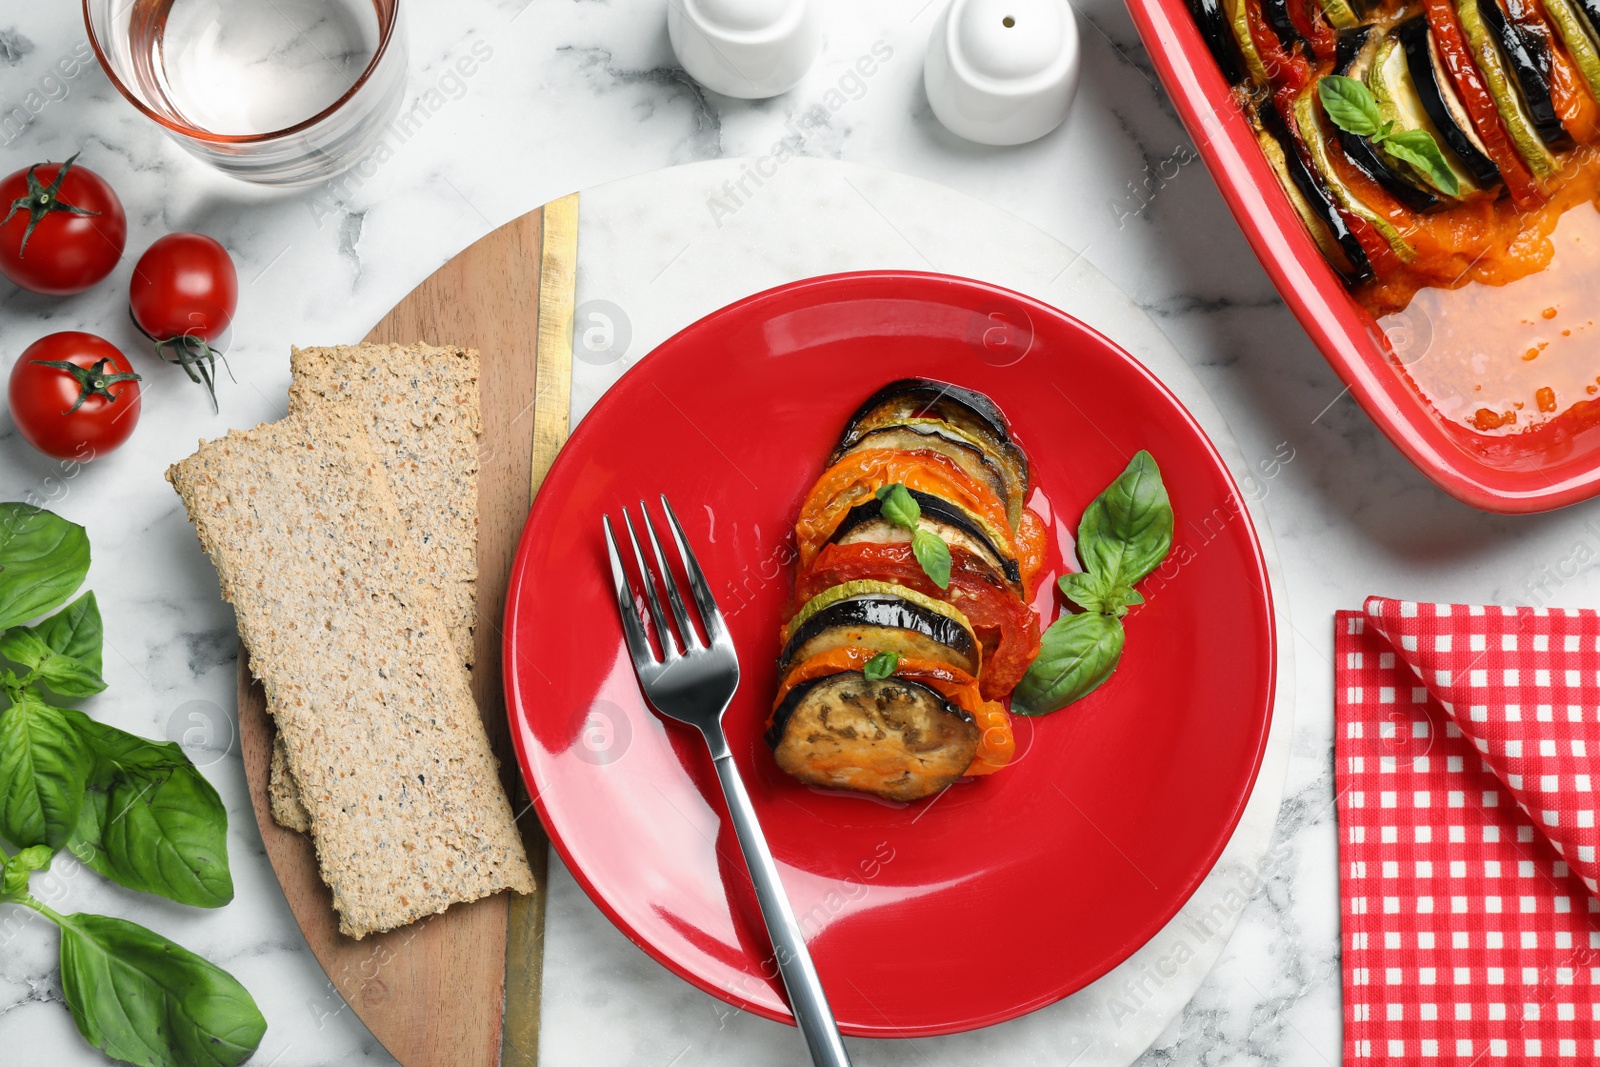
<point x="575" y="93"/>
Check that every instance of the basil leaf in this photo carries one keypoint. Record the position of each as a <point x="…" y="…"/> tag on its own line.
<point x="1420" y="150"/>
<point x="934" y="555"/>
<point x="1127" y="530"/>
<point x="1086" y="590"/>
<point x="150" y="821"/>
<point x="44" y="766"/>
<point x="1350" y="105"/>
<point x="43" y="560"/>
<point x="1077" y="653"/>
<point x="65" y="648"/>
<point x="14" y="874"/>
<point x="881" y="666"/>
<point x="148" y="1001"/>
<point x="899" y="506"/>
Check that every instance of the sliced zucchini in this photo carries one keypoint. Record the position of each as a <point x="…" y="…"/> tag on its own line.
<point x="1308" y="117"/>
<point x="1527" y="57"/>
<point x="1576" y="33"/>
<point x="957" y="527"/>
<point x="1341" y="14"/>
<point x="869" y="587"/>
<point x="892" y="738"/>
<point x="1310" y="200"/>
<point x="1591" y="14"/>
<point x="1356" y="54"/>
<point x="1389" y="79"/>
<point x="1214" y="30"/>
<point x="1507" y="101"/>
<point x="1239" y="23"/>
<point x="1438" y="98"/>
<point x="884" y="622"/>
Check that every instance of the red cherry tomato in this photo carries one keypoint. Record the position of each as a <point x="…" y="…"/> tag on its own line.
<point x="184" y="286"/>
<point x="74" y="396"/>
<point x="64" y="229"/>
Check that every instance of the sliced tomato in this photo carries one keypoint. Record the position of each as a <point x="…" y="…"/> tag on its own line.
<point x="1286" y="67"/>
<point x="1452" y="44"/>
<point x="1310" y="23"/>
<point x="1033" y="541"/>
<point x="996" y="743"/>
<point x="856" y="477"/>
<point x="1575" y="105"/>
<point x="1005" y="624"/>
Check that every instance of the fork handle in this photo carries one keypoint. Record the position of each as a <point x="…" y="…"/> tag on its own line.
<point x="806" y="998"/>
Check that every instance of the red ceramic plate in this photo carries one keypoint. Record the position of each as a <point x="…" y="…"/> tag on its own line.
<point x="1002" y="894"/>
<point x="1549" y="467"/>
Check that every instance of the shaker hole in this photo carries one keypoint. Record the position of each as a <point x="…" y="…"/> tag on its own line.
<point x="1008" y="22"/>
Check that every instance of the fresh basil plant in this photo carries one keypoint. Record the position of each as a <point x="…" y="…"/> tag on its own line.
<point x="136" y="811"/>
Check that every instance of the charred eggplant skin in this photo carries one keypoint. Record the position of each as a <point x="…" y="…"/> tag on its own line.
<point x="883" y="612"/>
<point x="1352" y="48"/>
<point x="939" y="510"/>
<point x="1414" y="38"/>
<point x="1530" y="63"/>
<point x="1311" y="188"/>
<point x="893" y="738"/>
<point x="1213" y="23"/>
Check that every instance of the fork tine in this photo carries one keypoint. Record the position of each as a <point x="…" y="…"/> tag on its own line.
<point x="632" y="628"/>
<point x="669" y="650"/>
<point x="697" y="579"/>
<point x="691" y="639"/>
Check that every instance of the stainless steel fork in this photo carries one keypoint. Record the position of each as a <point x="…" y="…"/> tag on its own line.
<point x="694" y="686"/>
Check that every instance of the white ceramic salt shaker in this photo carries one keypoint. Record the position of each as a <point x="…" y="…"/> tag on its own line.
<point x="746" y="48"/>
<point x="1002" y="71"/>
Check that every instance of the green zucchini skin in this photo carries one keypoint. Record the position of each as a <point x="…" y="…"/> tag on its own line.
<point x="1355" y="51"/>
<point x="1316" y="196"/>
<point x="1528" y="59"/>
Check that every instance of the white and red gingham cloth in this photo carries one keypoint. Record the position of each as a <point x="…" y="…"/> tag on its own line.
<point x="1467" y="837"/>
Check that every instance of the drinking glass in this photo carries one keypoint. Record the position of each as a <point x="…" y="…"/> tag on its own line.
<point x="280" y="92"/>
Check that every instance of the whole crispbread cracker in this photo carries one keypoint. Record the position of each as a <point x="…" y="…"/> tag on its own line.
<point x="346" y="633"/>
<point x="424" y="419"/>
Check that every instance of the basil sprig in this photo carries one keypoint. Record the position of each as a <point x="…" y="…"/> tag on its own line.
<point x="901" y="508"/>
<point x="136" y="811"/>
<point x="881" y="666"/>
<point x="1124" y="535"/>
<point x="1352" y="107"/>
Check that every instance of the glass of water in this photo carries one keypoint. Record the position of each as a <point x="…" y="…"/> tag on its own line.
<point x="281" y="92"/>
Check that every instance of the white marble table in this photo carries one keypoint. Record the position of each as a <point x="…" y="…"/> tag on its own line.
<point x="574" y="94"/>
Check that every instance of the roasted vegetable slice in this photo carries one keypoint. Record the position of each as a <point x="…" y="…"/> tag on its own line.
<point x="1576" y="32"/>
<point x="893" y="738"/>
<point x="1308" y="118"/>
<point x="1402" y="102"/>
<point x="954" y="526"/>
<point x="1519" y="124"/>
<point x="1525" y="47"/>
<point x="937" y="438"/>
<point x="1341" y="13"/>
<point x="884" y="618"/>
<point x="1358" y="52"/>
<point x="964" y="413"/>
<point x="1317" y="211"/>
<point x="1213" y="23"/>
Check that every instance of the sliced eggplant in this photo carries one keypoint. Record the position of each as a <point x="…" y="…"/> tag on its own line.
<point x="1213" y="23"/>
<point x="884" y="622"/>
<point x="865" y="523"/>
<point x="1527" y="57"/>
<point x="892" y="738"/>
<point x="1577" y="33"/>
<point x="869" y="587"/>
<point x="972" y="459"/>
<point x="951" y="409"/>
<point x="1591" y="14"/>
<point x="1276" y="13"/>
<point x="1357" y="51"/>
<point x="1313" y="135"/>
<point x="1310" y="200"/>
<point x="1438" y="98"/>
<point x="1399" y="101"/>
<point x="1507" y="101"/>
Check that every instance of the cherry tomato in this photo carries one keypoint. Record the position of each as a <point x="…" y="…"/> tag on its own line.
<point x="64" y="229"/>
<point x="183" y="295"/>
<point x="74" y="396"/>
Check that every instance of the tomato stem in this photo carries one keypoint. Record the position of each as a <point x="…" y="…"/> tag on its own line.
<point x="92" y="381"/>
<point x="198" y="360"/>
<point x="40" y="201"/>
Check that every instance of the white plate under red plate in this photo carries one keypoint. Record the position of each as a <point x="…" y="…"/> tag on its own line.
<point x="1002" y="894"/>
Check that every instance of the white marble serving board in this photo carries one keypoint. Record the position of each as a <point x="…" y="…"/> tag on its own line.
<point x="659" y="251"/>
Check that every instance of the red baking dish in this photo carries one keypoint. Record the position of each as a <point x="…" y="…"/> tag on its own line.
<point x="1538" y="469"/>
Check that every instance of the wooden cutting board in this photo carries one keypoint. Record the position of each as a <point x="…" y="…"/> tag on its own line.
<point x="460" y="988"/>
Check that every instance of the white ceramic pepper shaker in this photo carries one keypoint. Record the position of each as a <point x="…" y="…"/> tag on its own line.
<point x="1002" y="71"/>
<point x="745" y="48"/>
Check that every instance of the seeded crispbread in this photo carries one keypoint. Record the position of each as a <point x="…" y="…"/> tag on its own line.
<point x="345" y="631"/>
<point x="424" y="419"/>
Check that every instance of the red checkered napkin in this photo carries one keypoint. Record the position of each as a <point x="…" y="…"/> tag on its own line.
<point x="1467" y="833"/>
